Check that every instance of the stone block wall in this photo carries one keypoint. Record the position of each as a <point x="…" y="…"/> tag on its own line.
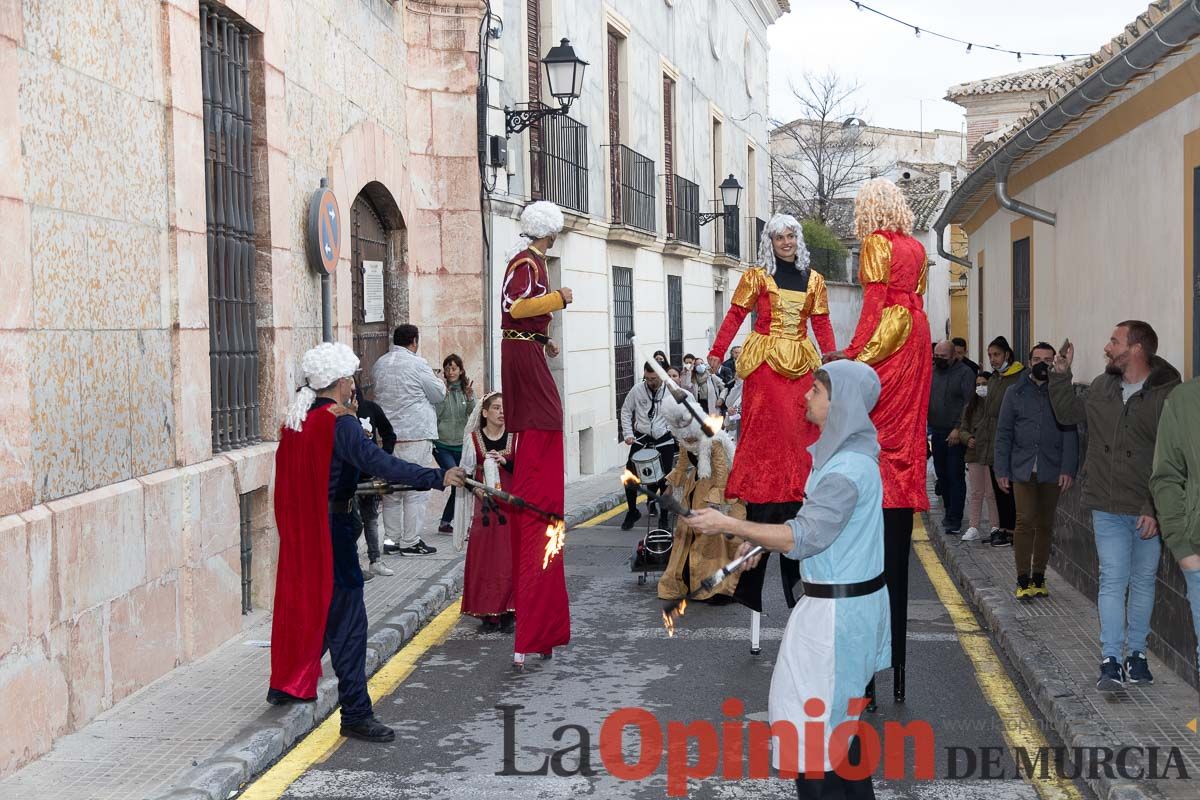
<point x="119" y="527"/>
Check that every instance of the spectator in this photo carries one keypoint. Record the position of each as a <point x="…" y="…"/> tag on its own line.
<point x="407" y="389"/>
<point x="960" y="353"/>
<point x="707" y="389"/>
<point x="452" y="415"/>
<point x="1175" y="486"/>
<point x="979" y="480"/>
<point x="377" y="428"/>
<point x="662" y="359"/>
<point x="1006" y="371"/>
<point x="1036" y="459"/>
<point x="1121" y="411"/>
<point x="645" y="426"/>
<point x="673" y="374"/>
<point x="952" y="387"/>
<point x="728" y="373"/>
<point x="686" y="375"/>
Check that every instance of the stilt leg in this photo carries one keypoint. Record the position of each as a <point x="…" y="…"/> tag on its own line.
<point x="755" y="631"/>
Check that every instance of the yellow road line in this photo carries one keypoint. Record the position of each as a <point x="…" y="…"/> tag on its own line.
<point x="607" y="515"/>
<point x="1020" y="729"/>
<point x="324" y="741"/>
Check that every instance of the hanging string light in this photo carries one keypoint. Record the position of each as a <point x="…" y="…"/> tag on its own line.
<point x="917" y="31"/>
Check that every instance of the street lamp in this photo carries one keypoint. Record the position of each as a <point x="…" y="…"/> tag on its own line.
<point x="731" y="192"/>
<point x="564" y="76"/>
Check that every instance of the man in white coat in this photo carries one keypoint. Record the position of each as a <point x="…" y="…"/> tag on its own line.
<point x="407" y="389"/>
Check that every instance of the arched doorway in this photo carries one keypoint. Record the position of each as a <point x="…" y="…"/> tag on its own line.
<point x="376" y="260"/>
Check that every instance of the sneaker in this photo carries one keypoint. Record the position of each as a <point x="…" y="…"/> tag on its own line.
<point x="369" y="730"/>
<point x="1000" y="539"/>
<point x="631" y="518"/>
<point x="972" y="535"/>
<point x="381" y="569"/>
<point x="1112" y="676"/>
<point x="1037" y="586"/>
<point x="1024" y="590"/>
<point x="277" y="697"/>
<point x="445" y="527"/>
<point x="418" y="549"/>
<point x="952" y="530"/>
<point x="1138" y="668"/>
<point x="367" y="576"/>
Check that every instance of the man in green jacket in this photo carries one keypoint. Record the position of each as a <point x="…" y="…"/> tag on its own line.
<point x="1175" y="484"/>
<point x="1121" y="411"/>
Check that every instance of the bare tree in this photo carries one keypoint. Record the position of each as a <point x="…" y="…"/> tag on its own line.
<point x="822" y="155"/>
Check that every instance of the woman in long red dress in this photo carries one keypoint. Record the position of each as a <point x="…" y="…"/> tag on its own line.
<point x="772" y="462"/>
<point x="487" y="579"/>
<point x="893" y="337"/>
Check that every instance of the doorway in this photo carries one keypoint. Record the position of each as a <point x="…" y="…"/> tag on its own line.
<point x="370" y="281"/>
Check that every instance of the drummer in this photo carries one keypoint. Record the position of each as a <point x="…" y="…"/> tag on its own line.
<point x="838" y="634"/>
<point x="644" y="427"/>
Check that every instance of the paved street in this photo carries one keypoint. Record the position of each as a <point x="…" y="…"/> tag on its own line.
<point x="451" y="735"/>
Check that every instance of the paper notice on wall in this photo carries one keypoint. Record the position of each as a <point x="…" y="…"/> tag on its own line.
<point x="372" y="291"/>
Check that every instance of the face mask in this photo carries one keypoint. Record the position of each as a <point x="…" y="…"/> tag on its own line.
<point x="941" y="363"/>
<point x="981" y="391"/>
<point x="1041" y="371"/>
<point x="701" y="368"/>
<point x="1002" y="367"/>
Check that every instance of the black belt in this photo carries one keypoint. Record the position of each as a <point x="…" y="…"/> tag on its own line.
<point x="830" y="591"/>
<point x="341" y="506"/>
<point x="524" y="336"/>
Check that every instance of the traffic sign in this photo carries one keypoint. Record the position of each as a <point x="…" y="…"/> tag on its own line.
<point x="324" y="230"/>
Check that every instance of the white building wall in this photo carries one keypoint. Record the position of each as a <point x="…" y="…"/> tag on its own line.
<point x="1116" y="252"/>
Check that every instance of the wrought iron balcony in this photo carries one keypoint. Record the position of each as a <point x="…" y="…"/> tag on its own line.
<point x="561" y="162"/>
<point x="686" y="211"/>
<point x="633" y="190"/>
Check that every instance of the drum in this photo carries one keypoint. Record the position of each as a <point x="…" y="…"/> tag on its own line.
<point x="647" y="466"/>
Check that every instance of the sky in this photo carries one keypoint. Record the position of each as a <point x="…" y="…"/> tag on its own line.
<point x="904" y="78"/>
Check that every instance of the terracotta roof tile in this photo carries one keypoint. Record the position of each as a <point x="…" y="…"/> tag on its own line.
<point x="1029" y="80"/>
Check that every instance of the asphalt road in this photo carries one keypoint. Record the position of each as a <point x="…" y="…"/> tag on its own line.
<point x="451" y="735"/>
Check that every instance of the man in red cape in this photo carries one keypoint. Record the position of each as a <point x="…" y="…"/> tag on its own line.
<point x="318" y="583"/>
<point x="532" y="408"/>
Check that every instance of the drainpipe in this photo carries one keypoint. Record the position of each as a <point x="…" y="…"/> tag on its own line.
<point x="1016" y="206"/>
<point x="939" y="229"/>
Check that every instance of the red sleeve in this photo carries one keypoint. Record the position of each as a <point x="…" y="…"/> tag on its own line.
<point x="874" y="298"/>
<point x="518" y="283"/>
<point x="823" y="329"/>
<point x="729" y="328"/>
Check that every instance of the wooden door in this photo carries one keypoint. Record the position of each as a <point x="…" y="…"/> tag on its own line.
<point x="368" y="246"/>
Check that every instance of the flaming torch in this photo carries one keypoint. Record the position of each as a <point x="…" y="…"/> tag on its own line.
<point x="556" y="537"/>
<point x="669" y="617"/>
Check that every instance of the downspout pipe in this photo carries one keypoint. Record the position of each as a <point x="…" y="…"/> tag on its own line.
<point x="939" y="230"/>
<point x="1016" y="206"/>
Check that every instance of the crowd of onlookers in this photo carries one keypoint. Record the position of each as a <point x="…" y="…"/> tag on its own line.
<point x="1010" y="438"/>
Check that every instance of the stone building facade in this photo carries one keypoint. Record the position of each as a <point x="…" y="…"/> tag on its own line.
<point x="131" y="531"/>
<point x="674" y="100"/>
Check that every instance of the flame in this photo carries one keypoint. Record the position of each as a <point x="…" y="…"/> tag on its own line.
<point x="714" y="423"/>
<point x="556" y="537"/>
<point x="628" y="478"/>
<point x="669" y="619"/>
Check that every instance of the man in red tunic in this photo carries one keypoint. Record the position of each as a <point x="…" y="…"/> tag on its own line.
<point x="532" y="408"/>
<point x="318" y="583"/>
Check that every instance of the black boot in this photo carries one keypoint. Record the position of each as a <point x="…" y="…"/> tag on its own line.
<point x="508" y="622"/>
<point x="631" y="518"/>
<point x="898" y="684"/>
<point x="369" y="730"/>
<point x="870" y="694"/>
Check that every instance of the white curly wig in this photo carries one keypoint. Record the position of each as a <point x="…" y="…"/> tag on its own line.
<point x="778" y="224"/>
<point x="322" y="366"/>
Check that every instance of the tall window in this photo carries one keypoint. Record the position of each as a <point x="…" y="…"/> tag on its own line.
<point x="622" y="278"/>
<point x="718" y="167"/>
<point x="1021" y="293"/>
<point x="669" y="151"/>
<point x="229" y="189"/>
<point x="614" y="121"/>
<point x="533" y="33"/>
<point x="675" y="319"/>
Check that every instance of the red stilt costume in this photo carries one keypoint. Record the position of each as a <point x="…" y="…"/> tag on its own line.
<point x="534" y="411"/>
<point x="893" y="337"/>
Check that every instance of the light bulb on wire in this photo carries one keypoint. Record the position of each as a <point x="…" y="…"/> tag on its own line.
<point x="917" y="31"/>
<point x="969" y="46"/>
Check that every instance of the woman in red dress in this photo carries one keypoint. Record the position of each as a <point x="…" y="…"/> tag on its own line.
<point x="893" y="337"/>
<point x="772" y="462"/>
<point x="487" y="580"/>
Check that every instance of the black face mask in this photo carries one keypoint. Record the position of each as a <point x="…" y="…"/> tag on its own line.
<point x="941" y="363"/>
<point x="1040" y="371"/>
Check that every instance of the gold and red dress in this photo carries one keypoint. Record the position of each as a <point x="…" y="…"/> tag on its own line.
<point x="488" y="572"/>
<point x="777" y="362"/>
<point x="893" y="337"/>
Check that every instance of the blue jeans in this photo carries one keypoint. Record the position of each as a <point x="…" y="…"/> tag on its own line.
<point x="1127" y="563"/>
<point x="950" y="466"/>
<point x="447" y="458"/>
<point x="1192" y="577"/>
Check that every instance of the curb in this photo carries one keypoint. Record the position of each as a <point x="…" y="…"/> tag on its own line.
<point x="1070" y="714"/>
<point x="262" y="742"/>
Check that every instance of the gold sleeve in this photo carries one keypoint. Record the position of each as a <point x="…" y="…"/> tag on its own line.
<point x="819" y="293"/>
<point x="875" y="260"/>
<point x="749" y="288"/>
<point x="536" y="306"/>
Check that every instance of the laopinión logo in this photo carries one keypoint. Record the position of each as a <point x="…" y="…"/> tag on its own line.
<point x="739" y="749"/>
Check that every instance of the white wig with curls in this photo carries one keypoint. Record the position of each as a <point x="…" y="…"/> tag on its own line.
<point x="322" y="366"/>
<point x="779" y="224"/>
<point x="538" y="220"/>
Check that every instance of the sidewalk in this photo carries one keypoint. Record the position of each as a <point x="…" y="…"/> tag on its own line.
<point x="203" y="729"/>
<point x="1053" y="644"/>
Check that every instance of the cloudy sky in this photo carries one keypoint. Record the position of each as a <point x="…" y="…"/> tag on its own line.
<point x="903" y="78"/>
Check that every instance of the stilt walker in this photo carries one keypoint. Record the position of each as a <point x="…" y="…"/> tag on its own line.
<point x="893" y="337"/>
<point x="533" y="410"/>
<point x="772" y="461"/>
